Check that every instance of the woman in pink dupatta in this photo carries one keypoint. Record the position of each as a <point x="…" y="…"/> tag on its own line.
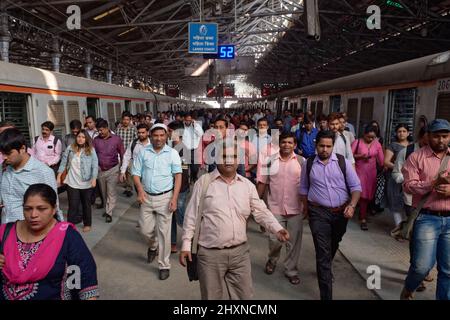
<point x="44" y="259"/>
<point x="367" y="152"/>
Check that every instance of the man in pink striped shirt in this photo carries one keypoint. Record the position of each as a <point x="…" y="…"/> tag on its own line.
<point x="47" y="148"/>
<point x="430" y="242"/>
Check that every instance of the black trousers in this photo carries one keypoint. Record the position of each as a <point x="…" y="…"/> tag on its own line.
<point x="327" y="230"/>
<point x="77" y="196"/>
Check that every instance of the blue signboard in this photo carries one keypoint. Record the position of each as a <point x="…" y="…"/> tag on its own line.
<point x="203" y="37"/>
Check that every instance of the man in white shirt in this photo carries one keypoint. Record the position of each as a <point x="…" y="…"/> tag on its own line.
<point x="347" y="125"/>
<point x="258" y="115"/>
<point x="347" y="134"/>
<point x="341" y="145"/>
<point x="90" y="127"/>
<point x="192" y="135"/>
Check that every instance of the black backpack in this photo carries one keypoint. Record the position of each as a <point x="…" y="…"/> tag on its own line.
<point x="342" y="166"/>
<point x="409" y="149"/>
<point x="133" y="146"/>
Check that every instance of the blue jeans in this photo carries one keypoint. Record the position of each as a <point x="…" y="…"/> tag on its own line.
<point x="181" y="208"/>
<point x="430" y="243"/>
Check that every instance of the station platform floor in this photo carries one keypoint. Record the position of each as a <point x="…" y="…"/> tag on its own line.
<point x="120" y="254"/>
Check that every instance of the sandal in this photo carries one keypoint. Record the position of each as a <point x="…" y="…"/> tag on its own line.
<point x="293" y="279"/>
<point x="270" y="268"/>
<point x="428" y="278"/>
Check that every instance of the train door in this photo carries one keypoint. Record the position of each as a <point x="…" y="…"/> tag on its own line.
<point x="319" y="109"/>
<point x="313" y="107"/>
<point x="279" y="104"/>
<point x="401" y="109"/>
<point x="335" y="104"/>
<point x="127" y="105"/>
<point x="13" y="108"/>
<point x="443" y="107"/>
<point x="92" y="107"/>
<point x="352" y="113"/>
<point x="366" y="113"/>
<point x="304" y="105"/>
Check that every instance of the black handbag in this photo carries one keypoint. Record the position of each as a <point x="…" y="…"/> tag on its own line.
<point x="192" y="266"/>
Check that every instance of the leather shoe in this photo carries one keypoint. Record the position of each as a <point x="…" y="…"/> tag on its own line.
<point x="151" y="255"/>
<point x="108" y="219"/>
<point x="164" y="274"/>
<point x="406" y="295"/>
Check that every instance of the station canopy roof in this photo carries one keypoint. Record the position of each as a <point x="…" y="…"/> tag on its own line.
<point x="147" y="40"/>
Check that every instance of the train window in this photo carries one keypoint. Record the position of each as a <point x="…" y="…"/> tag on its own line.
<point x="13" y="108"/>
<point x="335" y="103"/>
<point x="352" y="112"/>
<point x="443" y="107"/>
<point x="127" y="105"/>
<point x="147" y="106"/>
<point x="55" y="114"/>
<point x="73" y="110"/>
<point x="366" y="113"/>
<point x="402" y="109"/>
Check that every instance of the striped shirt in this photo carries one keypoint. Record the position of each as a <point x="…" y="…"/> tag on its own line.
<point x="15" y="183"/>
<point x="420" y="169"/>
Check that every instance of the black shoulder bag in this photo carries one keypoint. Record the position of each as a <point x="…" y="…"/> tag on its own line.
<point x="191" y="266"/>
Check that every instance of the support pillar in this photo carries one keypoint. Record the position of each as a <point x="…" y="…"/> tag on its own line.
<point x="109" y="73"/>
<point x="88" y="66"/>
<point x="56" y="56"/>
<point x="5" y="37"/>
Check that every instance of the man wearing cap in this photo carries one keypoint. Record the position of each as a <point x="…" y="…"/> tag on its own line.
<point x="430" y="241"/>
<point x="157" y="175"/>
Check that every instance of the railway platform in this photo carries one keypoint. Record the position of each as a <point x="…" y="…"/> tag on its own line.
<point x="123" y="273"/>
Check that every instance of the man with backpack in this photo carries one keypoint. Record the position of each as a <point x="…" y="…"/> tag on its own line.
<point x="330" y="191"/>
<point x="280" y="173"/>
<point x="47" y="148"/>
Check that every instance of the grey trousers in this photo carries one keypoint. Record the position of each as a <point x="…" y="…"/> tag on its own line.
<point x="225" y="273"/>
<point x="108" y="181"/>
<point x="294" y="225"/>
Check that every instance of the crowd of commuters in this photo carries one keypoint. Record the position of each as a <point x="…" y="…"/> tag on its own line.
<point x="208" y="172"/>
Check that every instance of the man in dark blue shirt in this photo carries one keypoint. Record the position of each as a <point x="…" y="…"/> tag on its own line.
<point x="306" y="139"/>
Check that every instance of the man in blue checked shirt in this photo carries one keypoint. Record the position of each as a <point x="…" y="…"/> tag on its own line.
<point x="22" y="170"/>
<point x="157" y="176"/>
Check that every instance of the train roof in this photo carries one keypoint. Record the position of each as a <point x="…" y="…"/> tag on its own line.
<point x="31" y="77"/>
<point x="422" y="69"/>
